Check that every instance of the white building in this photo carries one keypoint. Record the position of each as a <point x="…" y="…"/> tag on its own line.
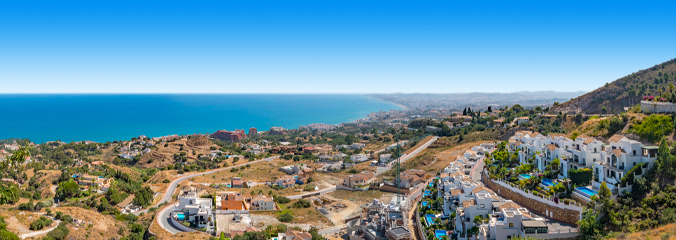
<point x="357" y="158"/>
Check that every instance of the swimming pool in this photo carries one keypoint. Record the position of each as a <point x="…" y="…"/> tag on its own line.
<point x="424" y="203"/>
<point x="180" y="216"/>
<point x="439" y="233"/>
<point x="427" y="193"/>
<point x="586" y="191"/>
<point x="429" y="218"/>
<point x="547" y="182"/>
<point x="525" y="176"/>
<point x="431" y="184"/>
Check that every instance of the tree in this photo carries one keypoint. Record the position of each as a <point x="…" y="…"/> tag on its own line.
<point x="589" y="226"/>
<point x="654" y="127"/>
<point x="68" y="189"/>
<point x="604" y="191"/>
<point x="4" y="234"/>
<point x="253" y="193"/>
<point x="489" y="109"/>
<point x="9" y="194"/>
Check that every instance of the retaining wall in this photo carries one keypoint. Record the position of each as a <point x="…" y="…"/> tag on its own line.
<point x="557" y="211"/>
<point x="658" y="107"/>
<point x="180" y="226"/>
<point x="341" y="187"/>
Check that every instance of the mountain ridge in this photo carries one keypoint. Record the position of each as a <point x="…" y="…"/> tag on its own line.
<point x="623" y="92"/>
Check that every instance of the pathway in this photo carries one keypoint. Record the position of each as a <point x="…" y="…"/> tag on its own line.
<point x="36" y="233"/>
<point x="164" y="214"/>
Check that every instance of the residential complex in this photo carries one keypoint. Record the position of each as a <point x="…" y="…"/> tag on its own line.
<point x="610" y="161"/>
<point x="229" y="135"/>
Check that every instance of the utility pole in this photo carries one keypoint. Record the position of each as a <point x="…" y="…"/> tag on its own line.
<point x="398" y="177"/>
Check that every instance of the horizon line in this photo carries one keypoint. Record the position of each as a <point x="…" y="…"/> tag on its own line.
<point x="265" y="93"/>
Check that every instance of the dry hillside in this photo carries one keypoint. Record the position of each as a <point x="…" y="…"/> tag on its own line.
<point x="618" y="94"/>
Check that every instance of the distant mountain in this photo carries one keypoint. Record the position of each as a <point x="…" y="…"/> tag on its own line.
<point x="476" y="99"/>
<point x="625" y="91"/>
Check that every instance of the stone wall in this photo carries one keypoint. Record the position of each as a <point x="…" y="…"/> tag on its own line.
<point x="657" y="107"/>
<point x="580" y="200"/>
<point x="558" y="211"/>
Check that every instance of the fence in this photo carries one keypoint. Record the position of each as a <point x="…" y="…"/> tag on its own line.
<point x="528" y="194"/>
<point x="545" y="206"/>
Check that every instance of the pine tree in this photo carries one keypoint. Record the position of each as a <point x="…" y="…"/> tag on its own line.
<point x="489" y="109"/>
<point x="464" y="112"/>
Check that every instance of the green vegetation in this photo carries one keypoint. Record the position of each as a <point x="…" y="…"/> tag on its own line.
<point x="40" y="223"/>
<point x="655" y="81"/>
<point x="4" y="233"/>
<point x="654" y="127"/>
<point x="580" y="177"/>
<point x="301" y="203"/>
<point x="650" y="204"/>
<point x="285" y="216"/>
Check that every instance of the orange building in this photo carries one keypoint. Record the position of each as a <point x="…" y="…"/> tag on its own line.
<point x="230" y="201"/>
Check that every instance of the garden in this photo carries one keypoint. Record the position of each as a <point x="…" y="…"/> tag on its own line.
<point x="435" y="224"/>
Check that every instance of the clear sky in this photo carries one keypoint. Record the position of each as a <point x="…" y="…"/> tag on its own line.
<point x="324" y="46"/>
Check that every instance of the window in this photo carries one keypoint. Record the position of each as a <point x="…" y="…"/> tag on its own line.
<point x="511" y="224"/>
<point x="482" y="206"/>
<point x="634" y="152"/>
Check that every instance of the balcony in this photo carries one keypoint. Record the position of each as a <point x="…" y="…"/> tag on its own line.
<point x="620" y="168"/>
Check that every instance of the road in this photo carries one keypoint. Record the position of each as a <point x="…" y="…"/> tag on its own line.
<point x="174" y="184"/>
<point x="164" y="214"/>
<point x="33" y="234"/>
<point x="332" y="230"/>
<point x="408" y="156"/>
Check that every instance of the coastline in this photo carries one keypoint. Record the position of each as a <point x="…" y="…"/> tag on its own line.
<point x="403" y="108"/>
<point x="168" y="114"/>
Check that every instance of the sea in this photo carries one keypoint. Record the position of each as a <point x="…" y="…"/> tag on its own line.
<point x="109" y="117"/>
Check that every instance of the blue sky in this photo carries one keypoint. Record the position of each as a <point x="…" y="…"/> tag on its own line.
<point x="328" y="46"/>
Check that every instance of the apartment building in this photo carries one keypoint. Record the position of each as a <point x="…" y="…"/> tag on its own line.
<point x="617" y="158"/>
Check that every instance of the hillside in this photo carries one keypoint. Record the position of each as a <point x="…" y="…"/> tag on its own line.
<point x="616" y="95"/>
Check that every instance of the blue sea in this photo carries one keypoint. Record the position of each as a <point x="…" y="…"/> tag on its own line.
<point x="101" y="118"/>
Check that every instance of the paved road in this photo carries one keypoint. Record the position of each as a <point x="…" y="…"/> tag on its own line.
<point x="332" y="230"/>
<point x="164" y="214"/>
<point x="33" y="234"/>
<point x="322" y="191"/>
<point x="381" y="170"/>
<point x="174" y="184"/>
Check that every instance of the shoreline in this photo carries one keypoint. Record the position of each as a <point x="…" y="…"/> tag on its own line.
<point x="403" y="108"/>
<point x="164" y="129"/>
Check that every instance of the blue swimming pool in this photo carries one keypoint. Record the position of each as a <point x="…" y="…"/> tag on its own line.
<point x="439" y="233"/>
<point x="547" y="182"/>
<point x="586" y="191"/>
<point x="431" y="184"/>
<point x="429" y="218"/>
<point x="424" y="203"/>
<point x="526" y="176"/>
<point x="180" y="216"/>
<point x="427" y="193"/>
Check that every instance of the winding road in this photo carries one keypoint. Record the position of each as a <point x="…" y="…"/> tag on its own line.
<point x="163" y="214"/>
<point x="36" y="233"/>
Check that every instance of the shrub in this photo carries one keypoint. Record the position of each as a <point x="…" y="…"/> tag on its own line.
<point x="282" y="200"/>
<point x="301" y="203"/>
<point x="166" y="181"/>
<point x="654" y="127"/>
<point x="308" y="188"/>
<point x="286" y="217"/>
<point x="40" y="223"/>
